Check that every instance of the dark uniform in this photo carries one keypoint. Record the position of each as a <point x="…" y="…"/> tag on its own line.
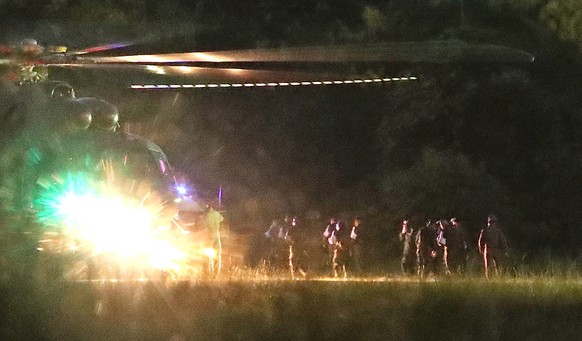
<point x="326" y="246"/>
<point x="339" y="242"/>
<point x="356" y="246"/>
<point x="427" y="249"/>
<point x="408" y="263"/>
<point x="278" y="248"/>
<point x="492" y="245"/>
<point x="456" y="247"/>
<point x="441" y="245"/>
<point x="296" y="247"/>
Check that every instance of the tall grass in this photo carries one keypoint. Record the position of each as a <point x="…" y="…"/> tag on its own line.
<point x="246" y="307"/>
<point x="533" y="301"/>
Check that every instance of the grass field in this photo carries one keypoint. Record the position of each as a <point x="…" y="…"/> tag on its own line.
<point x="533" y="302"/>
<point x="251" y="308"/>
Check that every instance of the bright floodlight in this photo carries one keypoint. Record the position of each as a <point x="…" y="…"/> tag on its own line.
<point x="107" y="224"/>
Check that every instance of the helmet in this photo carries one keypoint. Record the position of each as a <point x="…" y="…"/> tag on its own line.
<point x="492" y="218"/>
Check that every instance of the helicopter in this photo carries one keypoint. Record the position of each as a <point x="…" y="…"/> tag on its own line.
<point x="67" y="148"/>
<point x="78" y="184"/>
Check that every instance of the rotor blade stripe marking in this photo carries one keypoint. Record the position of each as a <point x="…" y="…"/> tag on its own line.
<point x="270" y="84"/>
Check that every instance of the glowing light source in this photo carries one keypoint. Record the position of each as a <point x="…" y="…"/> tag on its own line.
<point x="100" y="221"/>
<point x="181" y="189"/>
<point x="209" y="252"/>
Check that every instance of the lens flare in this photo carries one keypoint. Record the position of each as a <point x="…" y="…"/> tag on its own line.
<point x="209" y="252"/>
<point x="106" y="224"/>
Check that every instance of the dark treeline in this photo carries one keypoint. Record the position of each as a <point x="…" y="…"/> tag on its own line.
<point x="464" y="140"/>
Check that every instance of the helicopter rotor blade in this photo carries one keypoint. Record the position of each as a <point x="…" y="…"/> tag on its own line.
<point x="412" y="52"/>
<point x="209" y="77"/>
<point x="322" y="64"/>
<point x="438" y="52"/>
<point x="100" y="48"/>
<point x="207" y="74"/>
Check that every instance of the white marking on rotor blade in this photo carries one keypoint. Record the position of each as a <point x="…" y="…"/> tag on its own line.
<point x="270" y="84"/>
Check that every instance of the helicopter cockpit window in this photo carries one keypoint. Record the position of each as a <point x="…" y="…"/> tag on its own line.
<point x="63" y="91"/>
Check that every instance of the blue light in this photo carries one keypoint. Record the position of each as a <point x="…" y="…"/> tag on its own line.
<point x="181" y="189"/>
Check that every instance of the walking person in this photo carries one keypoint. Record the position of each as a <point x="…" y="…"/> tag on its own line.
<point x="355" y="247"/>
<point x="213" y="220"/>
<point x="325" y="244"/>
<point x="339" y="243"/>
<point x="427" y="249"/>
<point x="456" y="247"/>
<point x="492" y="246"/>
<point x="277" y="255"/>
<point x="408" y="262"/>
<point x="295" y="239"/>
